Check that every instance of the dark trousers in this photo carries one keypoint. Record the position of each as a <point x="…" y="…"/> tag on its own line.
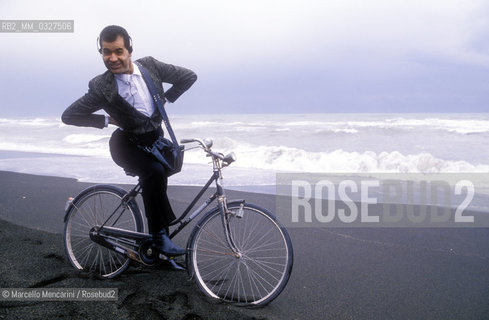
<point x="152" y="175"/>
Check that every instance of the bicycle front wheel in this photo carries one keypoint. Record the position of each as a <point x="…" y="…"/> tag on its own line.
<point x="258" y="272"/>
<point x="92" y="208"/>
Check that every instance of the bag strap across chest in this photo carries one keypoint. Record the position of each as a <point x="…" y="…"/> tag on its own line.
<point x="158" y="101"/>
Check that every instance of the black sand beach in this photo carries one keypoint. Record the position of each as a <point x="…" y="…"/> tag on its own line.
<point x="356" y="273"/>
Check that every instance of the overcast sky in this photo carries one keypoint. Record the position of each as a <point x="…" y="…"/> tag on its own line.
<point x="260" y="56"/>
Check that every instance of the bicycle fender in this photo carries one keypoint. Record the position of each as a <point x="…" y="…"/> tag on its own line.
<point x="91" y="189"/>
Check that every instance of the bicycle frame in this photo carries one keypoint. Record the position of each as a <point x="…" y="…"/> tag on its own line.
<point x="128" y="242"/>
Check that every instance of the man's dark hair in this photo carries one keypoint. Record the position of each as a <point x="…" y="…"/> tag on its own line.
<point x="110" y="33"/>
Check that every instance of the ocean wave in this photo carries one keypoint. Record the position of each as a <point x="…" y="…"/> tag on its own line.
<point x="308" y="143"/>
<point x="78" y="138"/>
<point x="284" y="158"/>
<point x="327" y="124"/>
<point x="30" y="122"/>
<point x="90" y="150"/>
<point x="457" y="126"/>
<point x="460" y="126"/>
<point x="336" y="130"/>
<point x="323" y="123"/>
<point x="220" y="124"/>
<point x="281" y="158"/>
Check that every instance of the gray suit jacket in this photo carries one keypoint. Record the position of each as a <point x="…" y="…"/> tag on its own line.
<point x="102" y="94"/>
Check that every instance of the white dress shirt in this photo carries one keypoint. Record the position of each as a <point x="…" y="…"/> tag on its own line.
<point x="133" y="89"/>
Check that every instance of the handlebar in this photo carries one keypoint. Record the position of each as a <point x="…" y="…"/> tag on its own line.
<point x="206" y="144"/>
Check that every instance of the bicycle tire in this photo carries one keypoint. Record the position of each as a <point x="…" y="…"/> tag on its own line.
<point x="89" y="209"/>
<point x="264" y="268"/>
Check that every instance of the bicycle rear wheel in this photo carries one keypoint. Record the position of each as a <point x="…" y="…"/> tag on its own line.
<point x="92" y="208"/>
<point x="262" y="267"/>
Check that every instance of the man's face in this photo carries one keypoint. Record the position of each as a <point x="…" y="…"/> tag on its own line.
<point x="116" y="57"/>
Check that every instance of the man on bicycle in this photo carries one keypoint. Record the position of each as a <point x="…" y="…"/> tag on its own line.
<point x="123" y="94"/>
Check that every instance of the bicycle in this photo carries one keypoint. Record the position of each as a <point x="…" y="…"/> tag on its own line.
<point x="237" y="252"/>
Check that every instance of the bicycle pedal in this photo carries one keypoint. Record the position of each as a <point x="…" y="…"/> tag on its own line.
<point x="174" y="265"/>
<point x="161" y="256"/>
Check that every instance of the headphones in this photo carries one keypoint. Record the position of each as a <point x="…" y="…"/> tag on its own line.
<point x="99" y="44"/>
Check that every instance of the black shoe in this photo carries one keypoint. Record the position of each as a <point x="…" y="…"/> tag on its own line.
<point x="166" y="246"/>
